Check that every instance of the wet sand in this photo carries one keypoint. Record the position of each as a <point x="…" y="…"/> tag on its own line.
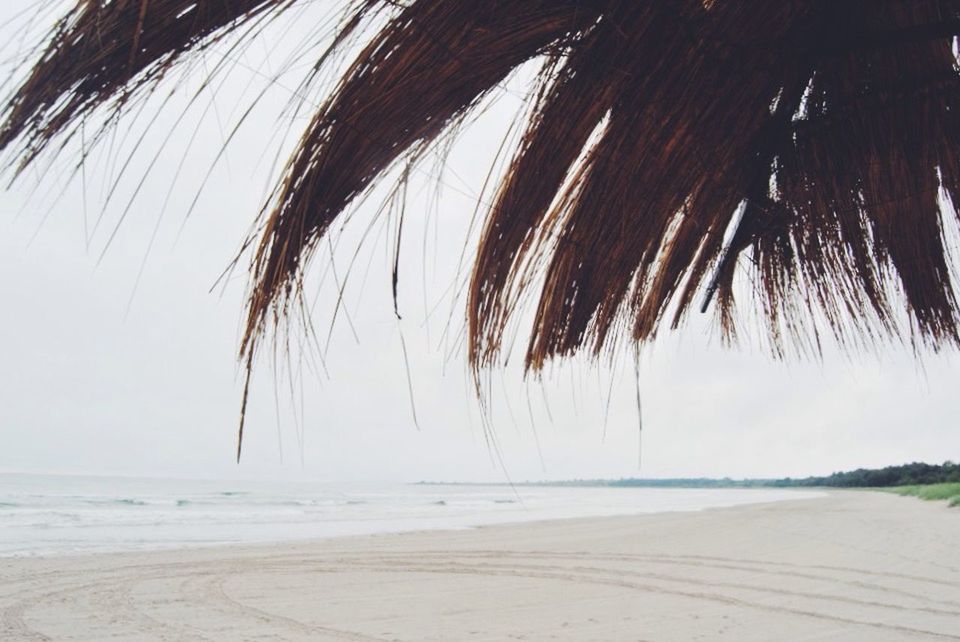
<point x="847" y="566"/>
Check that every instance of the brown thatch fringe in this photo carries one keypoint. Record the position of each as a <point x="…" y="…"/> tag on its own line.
<point x="832" y="123"/>
<point x="106" y="52"/>
<point x="832" y="126"/>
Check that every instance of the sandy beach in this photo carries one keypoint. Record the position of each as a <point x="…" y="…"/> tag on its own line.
<point x="847" y="566"/>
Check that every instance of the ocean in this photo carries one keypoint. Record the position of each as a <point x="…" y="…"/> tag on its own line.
<point x="52" y="514"/>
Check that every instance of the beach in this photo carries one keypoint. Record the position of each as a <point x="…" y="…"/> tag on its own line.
<point x="844" y="566"/>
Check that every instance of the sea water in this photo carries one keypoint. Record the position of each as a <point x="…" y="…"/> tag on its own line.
<point x="48" y="514"/>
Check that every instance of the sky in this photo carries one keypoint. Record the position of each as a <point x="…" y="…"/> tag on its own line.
<point x="118" y="336"/>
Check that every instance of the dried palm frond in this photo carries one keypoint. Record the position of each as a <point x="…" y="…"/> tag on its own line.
<point x="830" y="129"/>
<point x="103" y="53"/>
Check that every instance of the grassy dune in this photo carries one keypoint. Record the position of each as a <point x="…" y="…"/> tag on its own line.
<point x="948" y="492"/>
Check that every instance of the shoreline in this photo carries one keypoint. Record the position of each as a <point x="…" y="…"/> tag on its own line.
<point x="129" y="529"/>
<point x="849" y="566"/>
<point x="332" y="539"/>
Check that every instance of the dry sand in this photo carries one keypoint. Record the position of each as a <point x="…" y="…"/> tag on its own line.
<point x="848" y="566"/>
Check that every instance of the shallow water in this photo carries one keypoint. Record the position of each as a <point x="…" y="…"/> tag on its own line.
<point x="47" y="514"/>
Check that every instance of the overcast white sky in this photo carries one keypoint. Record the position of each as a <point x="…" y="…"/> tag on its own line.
<point x="94" y="382"/>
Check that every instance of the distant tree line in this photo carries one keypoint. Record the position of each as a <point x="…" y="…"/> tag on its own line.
<point x="905" y="475"/>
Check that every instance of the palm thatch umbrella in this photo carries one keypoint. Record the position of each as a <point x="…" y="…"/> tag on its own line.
<point x="820" y="138"/>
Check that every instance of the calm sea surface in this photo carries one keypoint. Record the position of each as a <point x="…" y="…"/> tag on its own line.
<point x="46" y="514"/>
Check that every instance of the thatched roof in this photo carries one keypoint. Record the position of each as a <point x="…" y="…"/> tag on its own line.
<point x="831" y="127"/>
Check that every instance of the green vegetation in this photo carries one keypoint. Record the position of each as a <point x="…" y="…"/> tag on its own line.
<point x="906" y="476"/>
<point x="914" y="474"/>
<point x="936" y="492"/>
<point x="927" y="481"/>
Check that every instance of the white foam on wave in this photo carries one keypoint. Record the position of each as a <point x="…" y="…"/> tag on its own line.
<point x="44" y="514"/>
